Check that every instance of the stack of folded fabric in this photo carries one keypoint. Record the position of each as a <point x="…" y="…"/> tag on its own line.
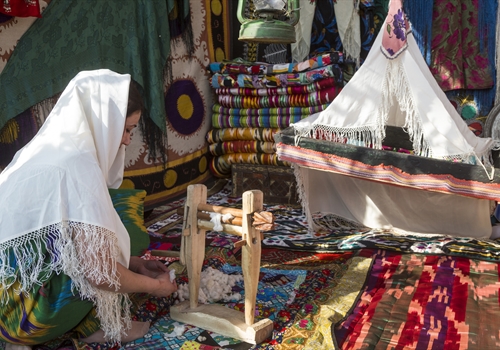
<point x="255" y="100"/>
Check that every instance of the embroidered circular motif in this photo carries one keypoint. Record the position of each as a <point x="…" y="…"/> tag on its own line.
<point x="469" y="110"/>
<point x="184" y="106"/>
<point x="170" y="178"/>
<point x="203" y="164"/>
<point x="128" y="184"/>
<point x="216" y="7"/>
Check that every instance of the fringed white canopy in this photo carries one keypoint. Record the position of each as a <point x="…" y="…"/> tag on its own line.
<point x="395" y="87"/>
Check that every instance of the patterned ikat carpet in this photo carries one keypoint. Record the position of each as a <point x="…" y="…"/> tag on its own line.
<point x="346" y="287"/>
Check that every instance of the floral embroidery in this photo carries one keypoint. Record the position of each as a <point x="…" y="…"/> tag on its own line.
<point x="457" y="61"/>
<point x="399" y="24"/>
<point x="394" y="39"/>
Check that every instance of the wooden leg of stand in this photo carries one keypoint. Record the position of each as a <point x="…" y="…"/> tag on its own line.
<point x="252" y="201"/>
<point x="195" y="241"/>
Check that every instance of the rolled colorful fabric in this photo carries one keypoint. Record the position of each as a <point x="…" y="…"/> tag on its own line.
<point x="228" y="147"/>
<point x="234" y="134"/>
<point x="221" y="166"/>
<point x="277" y="80"/>
<point x="300" y="100"/>
<point x="255" y="112"/>
<point x="286" y="90"/>
<point x="270" y="121"/>
<point x="244" y="67"/>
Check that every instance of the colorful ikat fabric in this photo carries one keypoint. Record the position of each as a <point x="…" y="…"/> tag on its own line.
<point x="413" y="301"/>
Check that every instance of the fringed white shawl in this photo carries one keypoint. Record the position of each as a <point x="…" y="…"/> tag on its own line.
<point x="56" y="190"/>
<point x="302" y="47"/>
<point x="398" y="90"/>
<point x="348" y="23"/>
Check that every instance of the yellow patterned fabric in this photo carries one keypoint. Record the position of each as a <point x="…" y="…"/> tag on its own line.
<point x="129" y="204"/>
<point x="341" y="300"/>
<point x="46" y="312"/>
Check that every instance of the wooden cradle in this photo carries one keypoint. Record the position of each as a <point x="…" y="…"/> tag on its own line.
<point x="395" y="168"/>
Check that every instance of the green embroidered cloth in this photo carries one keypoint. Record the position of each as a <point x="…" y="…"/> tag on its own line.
<point x="124" y="36"/>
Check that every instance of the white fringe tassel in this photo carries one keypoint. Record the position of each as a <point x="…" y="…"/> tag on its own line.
<point x="351" y="45"/>
<point x="81" y="251"/>
<point x="303" y="197"/>
<point x="397" y="84"/>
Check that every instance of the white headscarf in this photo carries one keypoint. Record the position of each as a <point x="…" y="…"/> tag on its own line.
<point x="56" y="189"/>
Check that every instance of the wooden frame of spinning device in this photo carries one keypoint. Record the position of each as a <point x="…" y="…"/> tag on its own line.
<point x="215" y="317"/>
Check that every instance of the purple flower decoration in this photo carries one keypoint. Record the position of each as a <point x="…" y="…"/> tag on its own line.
<point x="399" y="25"/>
<point x="390" y="51"/>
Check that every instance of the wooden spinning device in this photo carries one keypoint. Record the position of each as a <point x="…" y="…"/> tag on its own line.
<point x="248" y="223"/>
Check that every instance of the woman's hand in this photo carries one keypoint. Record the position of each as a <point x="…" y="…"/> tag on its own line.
<point x="157" y="270"/>
<point x="142" y="276"/>
<point x="166" y="287"/>
<point x="150" y="268"/>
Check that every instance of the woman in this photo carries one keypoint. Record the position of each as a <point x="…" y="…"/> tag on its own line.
<point x="64" y="253"/>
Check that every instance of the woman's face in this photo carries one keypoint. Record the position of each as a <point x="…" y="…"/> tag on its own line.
<point x="130" y="124"/>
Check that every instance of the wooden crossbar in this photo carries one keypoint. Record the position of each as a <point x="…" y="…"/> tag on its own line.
<point x="220" y="210"/>
<point x="263" y="221"/>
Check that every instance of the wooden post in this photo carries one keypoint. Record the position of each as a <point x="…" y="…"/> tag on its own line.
<point x="195" y="241"/>
<point x="250" y="252"/>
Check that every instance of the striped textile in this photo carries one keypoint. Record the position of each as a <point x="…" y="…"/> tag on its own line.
<point x="277" y="80"/>
<point x="221" y="165"/>
<point x="285" y="90"/>
<point x="414" y="301"/>
<point x="226" y="121"/>
<point x="282" y="111"/>
<point x="220" y="148"/>
<point x="297" y="100"/>
<point x="235" y="134"/>
<point x="240" y="67"/>
<point x="389" y="174"/>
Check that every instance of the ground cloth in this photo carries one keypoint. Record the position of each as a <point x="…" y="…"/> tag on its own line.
<point x="289" y="296"/>
<point x="293" y="288"/>
<point x="432" y="292"/>
<point x="425" y="302"/>
<point x="436" y="299"/>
